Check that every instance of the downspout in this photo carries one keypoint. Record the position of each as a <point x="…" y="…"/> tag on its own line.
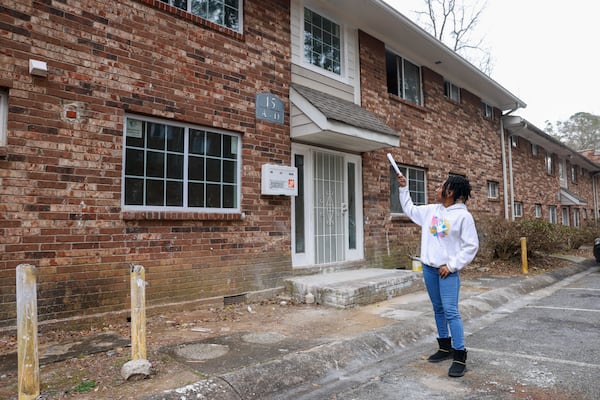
<point x="594" y="188"/>
<point x="512" y="182"/>
<point x="503" y="152"/>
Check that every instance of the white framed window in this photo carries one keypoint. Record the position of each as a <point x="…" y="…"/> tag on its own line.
<point x="227" y="13"/>
<point x="322" y="42"/>
<point x="534" y="149"/>
<point x="492" y="190"/>
<point x="403" y="78"/>
<point x="417" y="185"/>
<point x="552" y="214"/>
<point x="565" y="216"/>
<point x="538" y="211"/>
<point x="584" y="213"/>
<point x="549" y="164"/>
<point x="3" y="117"/>
<point x="518" y="206"/>
<point x="573" y="174"/>
<point x="451" y="91"/>
<point x="576" y="220"/>
<point x="487" y="111"/>
<point x="170" y="166"/>
<point x="514" y="141"/>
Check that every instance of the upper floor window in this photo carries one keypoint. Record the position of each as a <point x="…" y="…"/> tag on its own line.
<point x="451" y="91"/>
<point x="534" y="149"/>
<point x="492" y="189"/>
<point x="322" y="42"/>
<point x="226" y="13"/>
<point x="549" y="164"/>
<point x="3" y="117"/>
<point x="573" y="174"/>
<point x="403" y="78"/>
<point x="514" y="141"/>
<point x="170" y="167"/>
<point x="416" y="187"/>
<point x="538" y="211"/>
<point x="487" y="110"/>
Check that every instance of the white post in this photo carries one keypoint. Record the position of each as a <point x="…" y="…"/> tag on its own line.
<point x="27" y="325"/>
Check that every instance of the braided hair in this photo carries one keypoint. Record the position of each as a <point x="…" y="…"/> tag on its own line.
<point x="460" y="187"/>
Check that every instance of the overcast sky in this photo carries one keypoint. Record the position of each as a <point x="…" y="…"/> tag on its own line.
<point x="546" y="52"/>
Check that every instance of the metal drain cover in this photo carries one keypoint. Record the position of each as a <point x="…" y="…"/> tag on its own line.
<point x="201" y="351"/>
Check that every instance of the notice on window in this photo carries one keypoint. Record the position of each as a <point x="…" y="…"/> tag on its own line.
<point x="134" y="128"/>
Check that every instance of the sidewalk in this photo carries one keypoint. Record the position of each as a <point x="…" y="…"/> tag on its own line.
<point x="259" y="350"/>
<point x="410" y="319"/>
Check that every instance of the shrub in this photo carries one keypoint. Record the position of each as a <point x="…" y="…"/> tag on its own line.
<point x="501" y="239"/>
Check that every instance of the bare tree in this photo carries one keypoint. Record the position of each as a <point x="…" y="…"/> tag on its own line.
<point x="454" y="23"/>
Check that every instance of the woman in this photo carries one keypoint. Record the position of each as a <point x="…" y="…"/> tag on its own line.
<point x="448" y="243"/>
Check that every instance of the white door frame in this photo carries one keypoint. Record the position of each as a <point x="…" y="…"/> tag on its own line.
<point x="306" y="256"/>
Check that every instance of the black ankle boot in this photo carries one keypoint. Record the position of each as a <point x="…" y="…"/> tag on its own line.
<point x="444" y="352"/>
<point x="459" y="365"/>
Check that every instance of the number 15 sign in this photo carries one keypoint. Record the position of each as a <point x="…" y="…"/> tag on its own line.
<point x="269" y="107"/>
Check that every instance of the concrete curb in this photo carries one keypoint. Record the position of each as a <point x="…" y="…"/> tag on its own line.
<point x="266" y="380"/>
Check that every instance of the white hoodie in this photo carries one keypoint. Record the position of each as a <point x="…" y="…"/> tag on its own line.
<point x="448" y="235"/>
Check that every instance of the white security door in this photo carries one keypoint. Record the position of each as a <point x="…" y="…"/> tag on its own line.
<point x="327" y="213"/>
<point x="329" y="207"/>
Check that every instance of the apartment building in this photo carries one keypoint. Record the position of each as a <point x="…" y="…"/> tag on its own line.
<point x="227" y="145"/>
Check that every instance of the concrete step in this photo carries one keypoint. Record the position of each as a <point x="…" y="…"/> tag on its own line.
<point x="351" y="288"/>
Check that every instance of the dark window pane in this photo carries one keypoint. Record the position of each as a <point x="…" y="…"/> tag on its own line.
<point x="351" y="207"/>
<point x="299" y="205"/>
<point x="155" y="193"/>
<point x="174" y="193"/>
<point x="213" y="196"/>
<point x="134" y="192"/>
<point x="134" y="162"/>
<point x="196" y="195"/>
<point x="197" y="142"/>
<point x="229" y="172"/>
<point x="391" y="73"/>
<point x="174" y="166"/>
<point x="230" y="144"/>
<point x="229" y="199"/>
<point x="155" y="166"/>
<point x="175" y="139"/>
<point x="213" y="144"/>
<point x="156" y="136"/>
<point x="213" y="170"/>
<point x="196" y="168"/>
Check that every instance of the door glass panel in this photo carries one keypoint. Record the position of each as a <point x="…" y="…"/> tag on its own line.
<point x="299" y="206"/>
<point x="351" y="206"/>
<point x="328" y="208"/>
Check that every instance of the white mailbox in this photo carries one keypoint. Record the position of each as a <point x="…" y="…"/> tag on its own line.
<point x="279" y="179"/>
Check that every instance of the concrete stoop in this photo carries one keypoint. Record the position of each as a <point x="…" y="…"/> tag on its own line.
<point x="351" y="288"/>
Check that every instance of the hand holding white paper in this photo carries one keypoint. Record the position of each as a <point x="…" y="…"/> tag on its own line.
<point x="393" y="162"/>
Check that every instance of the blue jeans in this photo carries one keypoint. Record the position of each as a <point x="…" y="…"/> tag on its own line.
<point x="443" y="294"/>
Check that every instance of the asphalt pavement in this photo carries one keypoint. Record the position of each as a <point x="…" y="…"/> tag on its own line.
<point x="270" y="373"/>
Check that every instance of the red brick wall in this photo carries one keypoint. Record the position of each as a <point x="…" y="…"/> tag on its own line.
<point x="61" y="177"/>
<point x="440" y="136"/>
<point x="534" y="186"/>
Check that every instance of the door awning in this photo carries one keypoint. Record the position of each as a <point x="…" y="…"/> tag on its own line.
<point x="322" y="119"/>
<point x="570" y="199"/>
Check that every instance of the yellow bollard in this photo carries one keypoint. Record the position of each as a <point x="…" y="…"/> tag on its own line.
<point x="138" y="312"/>
<point x="524" y="255"/>
<point x="27" y="325"/>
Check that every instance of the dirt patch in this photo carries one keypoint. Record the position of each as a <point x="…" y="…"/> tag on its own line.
<point x="94" y="376"/>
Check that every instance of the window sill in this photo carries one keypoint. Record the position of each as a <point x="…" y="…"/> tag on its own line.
<point x="179" y="216"/>
<point x="398" y="99"/>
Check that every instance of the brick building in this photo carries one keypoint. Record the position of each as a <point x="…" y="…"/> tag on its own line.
<point x="139" y="132"/>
